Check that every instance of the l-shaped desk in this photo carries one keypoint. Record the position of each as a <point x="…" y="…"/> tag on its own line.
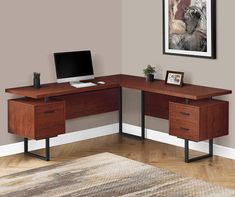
<point x="192" y="112"/>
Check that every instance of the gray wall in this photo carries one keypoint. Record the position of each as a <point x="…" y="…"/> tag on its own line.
<point x="32" y="30"/>
<point x="142" y="45"/>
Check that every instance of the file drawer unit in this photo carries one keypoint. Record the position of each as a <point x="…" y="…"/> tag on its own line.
<point x="36" y="119"/>
<point x="198" y="121"/>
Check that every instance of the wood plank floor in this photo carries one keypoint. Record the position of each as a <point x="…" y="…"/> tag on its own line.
<point x="216" y="170"/>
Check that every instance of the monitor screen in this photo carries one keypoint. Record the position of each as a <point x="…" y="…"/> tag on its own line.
<point x="73" y="66"/>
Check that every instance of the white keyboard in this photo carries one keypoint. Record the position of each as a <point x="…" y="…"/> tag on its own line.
<point x="83" y="85"/>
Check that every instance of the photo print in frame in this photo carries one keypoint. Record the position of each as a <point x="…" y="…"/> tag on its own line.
<point x="174" y="78"/>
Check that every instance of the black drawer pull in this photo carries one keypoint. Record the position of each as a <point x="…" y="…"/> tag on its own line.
<point x="184" y="129"/>
<point x="185" y="113"/>
<point x="49" y="112"/>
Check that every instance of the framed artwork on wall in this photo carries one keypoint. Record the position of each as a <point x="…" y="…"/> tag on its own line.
<point x="189" y="28"/>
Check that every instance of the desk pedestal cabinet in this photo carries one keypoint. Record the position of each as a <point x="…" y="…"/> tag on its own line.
<point x="36" y="119"/>
<point x="198" y="121"/>
<point x="45" y="118"/>
<point x="193" y="114"/>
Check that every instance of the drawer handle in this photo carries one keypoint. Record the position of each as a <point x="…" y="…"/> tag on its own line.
<point x="49" y="112"/>
<point x="185" y="113"/>
<point x="184" y="129"/>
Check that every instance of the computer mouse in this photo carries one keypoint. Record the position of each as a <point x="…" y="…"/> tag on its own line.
<point x="101" y="82"/>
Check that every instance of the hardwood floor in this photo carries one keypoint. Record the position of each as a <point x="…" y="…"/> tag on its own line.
<point x="216" y="170"/>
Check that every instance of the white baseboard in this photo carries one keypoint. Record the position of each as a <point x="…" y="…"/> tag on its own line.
<point x="16" y="148"/>
<point x="168" y="139"/>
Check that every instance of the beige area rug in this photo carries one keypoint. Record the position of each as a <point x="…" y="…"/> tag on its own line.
<point x="105" y="175"/>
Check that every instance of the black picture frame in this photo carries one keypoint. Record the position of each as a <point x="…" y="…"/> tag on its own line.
<point x="211" y="34"/>
<point x="168" y="82"/>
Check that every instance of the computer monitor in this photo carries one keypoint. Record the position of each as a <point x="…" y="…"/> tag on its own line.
<point x="73" y="66"/>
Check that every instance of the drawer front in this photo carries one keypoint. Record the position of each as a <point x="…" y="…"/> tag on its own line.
<point x="184" y="129"/>
<point x="50" y="120"/>
<point x="184" y="112"/>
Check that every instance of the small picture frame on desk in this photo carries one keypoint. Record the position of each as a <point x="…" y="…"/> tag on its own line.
<point x="174" y="78"/>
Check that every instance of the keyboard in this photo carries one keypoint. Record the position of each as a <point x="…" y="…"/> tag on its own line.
<point x="83" y="85"/>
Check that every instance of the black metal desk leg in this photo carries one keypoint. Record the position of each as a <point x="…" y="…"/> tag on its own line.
<point x="121" y="121"/>
<point x="26" y="145"/>
<point x="120" y="110"/>
<point x="186" y="152"/>
<point x="211" y="147"/>
<point x="47" y="150"/>
<point x="142" y="115"/>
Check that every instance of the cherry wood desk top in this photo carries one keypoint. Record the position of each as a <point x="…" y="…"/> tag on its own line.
<point x="188" y="91"/>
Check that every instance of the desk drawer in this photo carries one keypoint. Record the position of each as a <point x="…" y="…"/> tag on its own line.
<point x="184" y="112"/>
<point x="49" y="119"/>
<point x="184" y="129"/>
